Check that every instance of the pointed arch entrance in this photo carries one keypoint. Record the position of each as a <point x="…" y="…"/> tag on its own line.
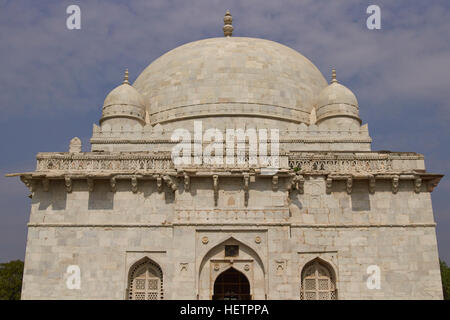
<point x="219" y="258"/>
<point x="231" y="285"/>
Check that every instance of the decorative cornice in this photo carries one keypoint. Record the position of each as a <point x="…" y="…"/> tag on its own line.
<point x="97" y="225"/>
<point x="282" y="141"/>
<point x="411" y="225"/>
<point x="230" y="109"/>
<point x="253" y="224"/>
<point x="303" y="161"/>
<point x="158" y="166"/>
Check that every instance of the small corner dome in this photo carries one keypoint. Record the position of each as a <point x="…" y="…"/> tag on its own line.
<point x="124" y="101"/>
<point x="125" y="94"/>
<point x="336" y="100"/>
<point x="336" y="93"/>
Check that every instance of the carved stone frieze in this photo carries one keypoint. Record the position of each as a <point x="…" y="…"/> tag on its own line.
<point x="343" y="165"/>
<point x="94" y="162"/>
<point x="158" y="165"/>
<point x="234" y="215"/>
<point x="301" y="162"/>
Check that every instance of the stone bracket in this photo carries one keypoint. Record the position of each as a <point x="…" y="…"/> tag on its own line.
<point x="113" y="184"/>
<point x="246" y="189"/>
<point x="187" y="182"/>
<point x="433" y="184"/>
<point x="28" y="183"/>
<point x="300" y="185"/>
<point x="159" y="184"/>
<point x="328" y="184"/>
<point x="395" y="184"/>
<point x="134" y="184"/>
<point x="45" y="184"/>
<point x="170" y="182"/>
<point x="275" y="183"/>
<point x="417" y="184"/>
<point x="216" y="188"/>
<point x="90" y="183"/>
<point x="297" y="182"/>
<point x="372" y="184"/>
<point x="349" y="185"/>
<point x="68" y="184"/>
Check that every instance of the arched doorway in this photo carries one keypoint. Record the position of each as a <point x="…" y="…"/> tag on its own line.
<point x="231" y="285"/>
<point x="218" y="259"/>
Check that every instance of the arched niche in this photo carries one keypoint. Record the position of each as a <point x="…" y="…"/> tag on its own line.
<point x="145" y="281"/>
<point x="318" y="281"/>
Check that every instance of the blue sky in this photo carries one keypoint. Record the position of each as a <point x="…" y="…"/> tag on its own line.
<point x="53" y="81"/>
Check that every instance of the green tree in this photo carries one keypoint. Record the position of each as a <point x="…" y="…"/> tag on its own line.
<point x="445" y="275"/>
<point x="11" y="274"/>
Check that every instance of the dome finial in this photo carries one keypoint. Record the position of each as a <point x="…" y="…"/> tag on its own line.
<point x="125" y="77"/>
<point x="333" y="76"/>
<point x="227" y="28"/>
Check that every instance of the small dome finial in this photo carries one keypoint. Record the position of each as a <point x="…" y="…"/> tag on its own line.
<point x="333" y="76"/>
<point x="227" y="28"/>
<point x="125" y="77"/>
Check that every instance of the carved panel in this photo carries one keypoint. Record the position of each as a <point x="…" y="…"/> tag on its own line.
<point x="350" y="165"/>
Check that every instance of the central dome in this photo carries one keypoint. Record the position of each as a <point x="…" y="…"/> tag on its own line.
<point x="231" y="76"/>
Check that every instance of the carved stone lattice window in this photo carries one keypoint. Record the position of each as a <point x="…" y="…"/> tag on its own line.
<point x="145" y="281"/>
<point x="318" y="282"/>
